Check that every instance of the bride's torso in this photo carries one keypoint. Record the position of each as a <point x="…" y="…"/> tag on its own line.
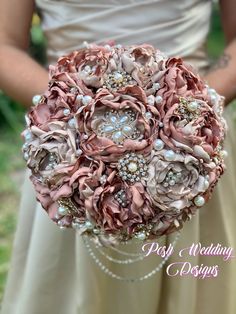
<point x="177" y="27"/>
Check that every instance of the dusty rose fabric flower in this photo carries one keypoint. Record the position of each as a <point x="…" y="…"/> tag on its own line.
<point x="124" y="143"/>
<point x="107" y="137"/>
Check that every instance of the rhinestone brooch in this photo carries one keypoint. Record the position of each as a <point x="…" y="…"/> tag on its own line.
<point x="132" y="167"/>
<point x="117" y="79"/>
<point x="118" y="126"/>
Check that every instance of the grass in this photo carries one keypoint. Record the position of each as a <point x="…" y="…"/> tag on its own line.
<point x="11" y="161"/>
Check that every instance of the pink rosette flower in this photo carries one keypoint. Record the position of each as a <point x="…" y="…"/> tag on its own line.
<point x="193" y="126"/>
<point x="116" y="123"/>
<point x="48" y="151"/>
<point x="180" y="182"/>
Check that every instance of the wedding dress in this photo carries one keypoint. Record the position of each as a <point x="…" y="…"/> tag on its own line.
<point x="51" y="271"/>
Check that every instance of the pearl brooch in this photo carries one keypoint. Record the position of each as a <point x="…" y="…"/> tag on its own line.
<point x="158" y="144"/>
<point x="169" y="155"/>
<point x="132" y="167"/>
<point x="172" y="177"/>
<point x="188" y="109"/>
<point x="36" y="99"/>
<point x="119" y="126"/>
<point x="117" y="79"/>
<point x="199" y="201"/>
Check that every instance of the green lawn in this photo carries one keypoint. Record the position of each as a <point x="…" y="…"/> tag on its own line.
<point x="11" y="162"/>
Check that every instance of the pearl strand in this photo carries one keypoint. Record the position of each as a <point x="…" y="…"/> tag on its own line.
<point x="118" y="261"/>
<point x="127" y="279"/>
<point x="124" y="252"/>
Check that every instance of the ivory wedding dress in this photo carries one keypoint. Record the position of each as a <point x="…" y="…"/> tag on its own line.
<point x="51" y="271"/>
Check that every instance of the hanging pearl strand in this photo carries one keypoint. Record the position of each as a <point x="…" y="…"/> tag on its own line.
<point x="127" y="279"/>
<point x="124" y="252"/>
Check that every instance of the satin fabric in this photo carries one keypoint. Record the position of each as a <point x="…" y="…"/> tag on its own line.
<point x="51" y="271"/>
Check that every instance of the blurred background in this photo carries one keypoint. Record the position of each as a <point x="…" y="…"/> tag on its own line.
<point x="11" y="125"/>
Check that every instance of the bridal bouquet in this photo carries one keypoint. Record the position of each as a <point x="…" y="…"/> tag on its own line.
<point x="125" y="142"/>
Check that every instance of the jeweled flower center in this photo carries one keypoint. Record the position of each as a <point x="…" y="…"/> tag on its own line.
<point x="117" y="79"/>
<point x="172" y="177"/>
<point x="132" y="167"/>
<point x="188" y="109"/>
<point x="118" y="126"/>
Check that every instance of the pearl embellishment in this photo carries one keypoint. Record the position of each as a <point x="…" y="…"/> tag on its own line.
<point x="169" y="155"/>
<point x="158" y="144"/>
<point x="36" y="99"/>
<point x="199" y="201"/>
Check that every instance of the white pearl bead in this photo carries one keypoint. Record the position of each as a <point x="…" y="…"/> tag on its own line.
<point x="199" y="201"/>
<point x="158" y="144"/>
<point x="36" y="99"/>
<point x="87" y="68"/>
<point x="86" y="99"/>
<point x="141" y="236"/>
<point x="62" y="210"/>
<point x="148" y="115"/>
<point x="66" y="112"/>
<point x="88" y="225"/>
<point x="79" y="152"/>
<point x="158" y="99"/>
<point x="169" y="155"/>
<point x="118" y="77"/>
<point x="71" y="123"/>
<point x="79" y="97"/>
<point x="206" y="184"/>
<point x="156" y="86"/>
<point x="172" y="182"/>
<point x="192" y="106"/>
<point x="151" y="100"/>
<point x="132" y="167"/>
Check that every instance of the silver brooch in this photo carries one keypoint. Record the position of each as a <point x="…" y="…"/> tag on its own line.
<point x="132" y="167"/>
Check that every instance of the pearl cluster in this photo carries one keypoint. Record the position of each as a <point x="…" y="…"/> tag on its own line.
<point x="121" y="198"/>
<point x="53" y="161"/>
<point x="172" y="177"/>
<point x="119" y="125"/>
<point x="117" y="79"/>
<point x="88" y="70"/>
<point x="132" y="167"/>
<point x="188" y="109"/>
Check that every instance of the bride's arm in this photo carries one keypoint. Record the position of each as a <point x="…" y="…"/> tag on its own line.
<point x="20" y="76"/>
<point x="222" y="77"/>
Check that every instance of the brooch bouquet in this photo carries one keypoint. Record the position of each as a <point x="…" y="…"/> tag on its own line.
<point x="125" y="142"/>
